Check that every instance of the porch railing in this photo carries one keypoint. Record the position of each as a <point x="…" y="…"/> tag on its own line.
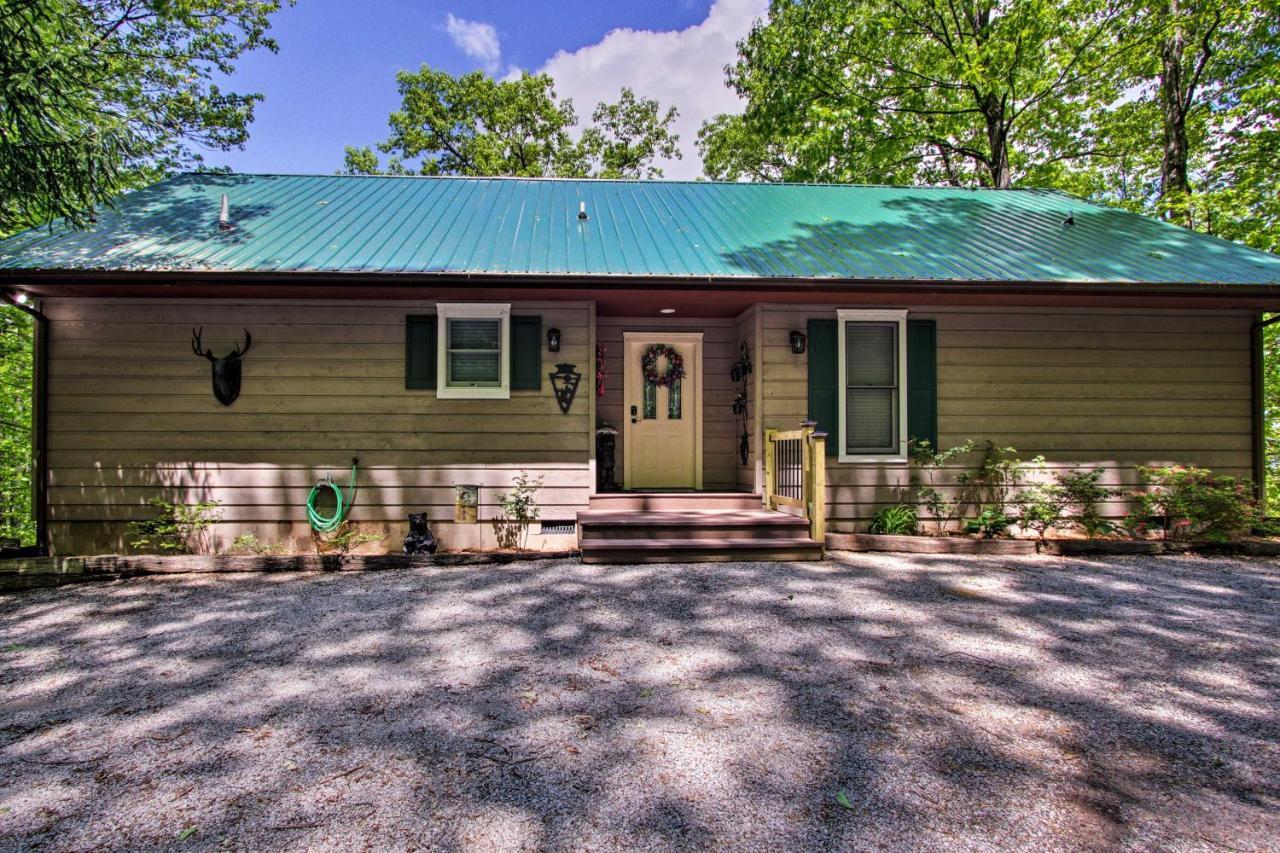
<point x="795" y="474"/>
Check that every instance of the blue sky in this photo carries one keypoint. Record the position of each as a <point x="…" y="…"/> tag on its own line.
<point x="333" y="82"/>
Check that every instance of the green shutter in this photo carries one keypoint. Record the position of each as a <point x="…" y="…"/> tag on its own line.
<point x="922" y="380"/>
<point x="420" y="351"/>
<point x="824" y="396"/>
<point x="526" y="353"/>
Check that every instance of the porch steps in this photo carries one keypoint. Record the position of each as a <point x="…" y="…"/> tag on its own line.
<point x="678" y="528"/>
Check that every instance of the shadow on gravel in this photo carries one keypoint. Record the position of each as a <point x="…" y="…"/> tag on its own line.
<point x="953" y="701"/>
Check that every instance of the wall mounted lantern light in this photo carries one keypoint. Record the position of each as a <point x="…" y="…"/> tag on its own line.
<point x="553" y="340"/>
<point x="798" y="341"/>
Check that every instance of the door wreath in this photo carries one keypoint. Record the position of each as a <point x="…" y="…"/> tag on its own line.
<point x="675" y="366"/>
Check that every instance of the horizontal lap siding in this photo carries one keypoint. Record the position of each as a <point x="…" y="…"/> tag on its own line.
<point x="719" y="349"/>
<point x="132" y="416"/>
<point x="1115" y="389"/>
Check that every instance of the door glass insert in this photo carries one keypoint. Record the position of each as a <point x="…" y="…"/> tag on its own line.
<point x="673" y="401"/>
<point x="650" y="401"/>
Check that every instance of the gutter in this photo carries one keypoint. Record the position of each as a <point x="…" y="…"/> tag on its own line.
<point x="40" y="423"/>
<point x="1258" y="384"/>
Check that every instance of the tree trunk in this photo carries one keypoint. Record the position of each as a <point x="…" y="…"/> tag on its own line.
<point x="998" y="141"/>
<point x="1174" y="179"/>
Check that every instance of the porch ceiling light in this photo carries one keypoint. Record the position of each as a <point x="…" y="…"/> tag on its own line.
<point x="666" y="310"/>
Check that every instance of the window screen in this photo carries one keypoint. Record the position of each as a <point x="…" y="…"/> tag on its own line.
<point x="473" y="352"/>
<point x="871" y="387"/>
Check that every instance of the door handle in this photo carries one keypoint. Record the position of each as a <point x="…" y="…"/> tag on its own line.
<point x="634" y="411"/>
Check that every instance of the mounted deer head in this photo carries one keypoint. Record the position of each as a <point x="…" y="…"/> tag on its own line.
<point x="226" y="370"/>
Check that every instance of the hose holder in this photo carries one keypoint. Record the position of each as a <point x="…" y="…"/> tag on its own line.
<point x="342" y="504"/>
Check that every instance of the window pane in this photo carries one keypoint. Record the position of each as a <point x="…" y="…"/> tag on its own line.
<point x="650" y="401"/>
<point x="871" y="416"/>
<point x="474" y="368"/>
<point x="871" y="351"/>
<point x="673" y="401"/>
<point x="474" y="334"/>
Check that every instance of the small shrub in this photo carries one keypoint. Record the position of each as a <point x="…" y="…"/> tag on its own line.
<point x="998" y="474"/>
<point x="929" y="461"/>
<point x="1190" y="503"/>
<point x="344" y="539"/>
<point x="519" y="508"/>
<point x="175" y="528"/>
<point x="251" y="545"/>
<point x="900" y="520"/>
<point x="1081" y="490"/>
<point x="1040" y="507"/>
<point x="990" y="522"/>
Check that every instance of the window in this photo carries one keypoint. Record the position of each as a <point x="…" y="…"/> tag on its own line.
<point x="872" y="380"/>
<point x="474" y="342"/>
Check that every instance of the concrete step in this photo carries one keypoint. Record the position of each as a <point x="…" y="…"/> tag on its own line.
<point x="667" y="501"/>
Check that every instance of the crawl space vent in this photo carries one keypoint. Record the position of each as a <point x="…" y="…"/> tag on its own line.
<point x="559" y="527"/>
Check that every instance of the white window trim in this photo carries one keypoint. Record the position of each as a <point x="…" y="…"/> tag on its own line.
<point x="446" y="311"/>
<point x="866" y="316"/>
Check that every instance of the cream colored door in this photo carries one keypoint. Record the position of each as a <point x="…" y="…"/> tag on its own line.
<point x="662" y="426"/>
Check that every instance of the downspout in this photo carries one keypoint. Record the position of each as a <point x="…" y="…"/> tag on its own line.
<point x="1257" y="398"/>
<point x="40" y="416"/>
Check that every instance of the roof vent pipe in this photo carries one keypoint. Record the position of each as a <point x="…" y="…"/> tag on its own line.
<point x="582" y="210"/>
<point x="224" y="215"/>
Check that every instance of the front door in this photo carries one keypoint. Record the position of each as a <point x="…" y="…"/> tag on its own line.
<point x="662" y="420"/>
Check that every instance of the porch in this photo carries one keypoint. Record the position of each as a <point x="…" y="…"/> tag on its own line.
<point x="784" y="522"/>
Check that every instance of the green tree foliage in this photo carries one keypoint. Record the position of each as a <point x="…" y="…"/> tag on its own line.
<point x="478" y="126"/>
<point x="628" y="135"/>
<point x="901" y="91"/>
<point x="97" y="96"/>
<point x="17" y="523"/>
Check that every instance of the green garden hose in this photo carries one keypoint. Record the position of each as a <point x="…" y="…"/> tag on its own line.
<point x="328" y="524"/>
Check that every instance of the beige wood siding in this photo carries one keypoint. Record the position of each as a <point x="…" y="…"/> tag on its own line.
<point x="719" y="348"/>
<point x="132" y="416"/>
<point x="1110" y="388"/>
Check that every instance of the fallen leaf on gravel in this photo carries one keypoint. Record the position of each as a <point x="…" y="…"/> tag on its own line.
<point x="600" y="666"/>
<point x="843" y="800"/>
<point x="186" y="833"/>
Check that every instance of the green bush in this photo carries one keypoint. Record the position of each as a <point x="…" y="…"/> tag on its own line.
<point x="1194" y="503"/>
<point x="929" y="461"/>
<point x="990" y="522"/>
<point x="342" y="540"/>
<point x="175" y="528"/>
<point x="519" y="508"/>
<point x="1081" y="490"/>
<point x="1040" y="507"/>
<point x="250" y="545"/>
<point x="900" y="520"/>
<point x="999" y="473"/>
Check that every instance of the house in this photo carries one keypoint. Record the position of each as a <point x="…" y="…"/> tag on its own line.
<point x="415" y="324"/>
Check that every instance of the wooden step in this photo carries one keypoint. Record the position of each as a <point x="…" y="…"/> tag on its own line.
<point x="691" y="524"/>
<point x="678" y="501"/>
<point x="699" y="550"/>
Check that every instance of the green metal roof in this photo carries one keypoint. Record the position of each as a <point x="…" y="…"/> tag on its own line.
<point x="288" y="223"/>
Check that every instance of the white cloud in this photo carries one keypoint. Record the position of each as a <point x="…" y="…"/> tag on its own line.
<point x="682" y="68"/>
<point x="476" y="39"/>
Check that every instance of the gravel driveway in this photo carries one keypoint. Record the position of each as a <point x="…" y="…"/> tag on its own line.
<point x="869" y="702"/>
